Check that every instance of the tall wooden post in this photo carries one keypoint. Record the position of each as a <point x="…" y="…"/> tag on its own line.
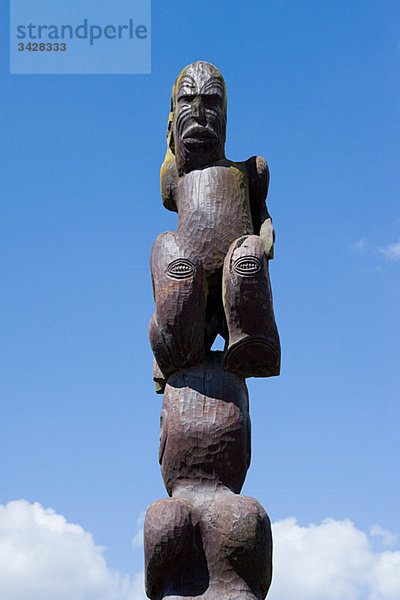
<point x="210" y="277"/>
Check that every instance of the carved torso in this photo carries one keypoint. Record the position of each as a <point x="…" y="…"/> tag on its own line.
<point x="205" y="427"/>
<point x="214" y="210"/>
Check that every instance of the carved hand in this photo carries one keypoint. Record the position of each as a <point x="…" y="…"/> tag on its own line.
<point x="267" y="234"/>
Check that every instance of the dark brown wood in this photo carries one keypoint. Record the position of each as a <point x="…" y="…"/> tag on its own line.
<point x="218" y="202"/>
<point x="206" y="540"/>
<point x="210" y="277"/>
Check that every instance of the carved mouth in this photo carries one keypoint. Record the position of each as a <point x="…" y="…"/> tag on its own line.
<point x="200" y="135"/>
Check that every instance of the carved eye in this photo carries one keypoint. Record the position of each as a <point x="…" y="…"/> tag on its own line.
<point x="186" y="98"/>
<point x="180" y="269"/>
<point x="247" y="266"/>
<point x="212" y="100"/>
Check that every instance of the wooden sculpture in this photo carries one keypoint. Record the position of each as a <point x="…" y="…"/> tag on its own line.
<point x="209" y="277"/>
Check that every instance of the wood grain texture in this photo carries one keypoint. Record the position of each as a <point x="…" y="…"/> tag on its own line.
<point x="206" y="540"/>
<point x="254" y="347"/>
<point x="208" y="547"/>
<point x="205" y="428"/>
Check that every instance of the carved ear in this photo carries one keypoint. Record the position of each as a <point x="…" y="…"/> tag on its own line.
<point x="169" y="179"/>
<point x="169" y="173"/>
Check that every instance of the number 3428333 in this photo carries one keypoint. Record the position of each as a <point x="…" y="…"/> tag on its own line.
<point x="42" y="47"/>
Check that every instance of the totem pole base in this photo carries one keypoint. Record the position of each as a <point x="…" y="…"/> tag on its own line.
<point x="206" y="540"/>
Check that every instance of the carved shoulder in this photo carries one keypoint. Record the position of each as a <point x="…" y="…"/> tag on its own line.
<point x="169" y="180"/>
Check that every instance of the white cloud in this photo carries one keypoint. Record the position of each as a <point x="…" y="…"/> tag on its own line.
<point x="43" y="557"/>
<point x="138" y="587"/>
<point x="388" y="538"/>
<point x="334" y="561"/>
<point x="137" y="540"/>
<point x="391" y="251"/>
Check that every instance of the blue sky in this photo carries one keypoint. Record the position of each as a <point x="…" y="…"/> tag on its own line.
<point x="314" y="88"/>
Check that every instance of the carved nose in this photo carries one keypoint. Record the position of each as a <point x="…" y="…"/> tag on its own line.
<point x="198" y="109"/>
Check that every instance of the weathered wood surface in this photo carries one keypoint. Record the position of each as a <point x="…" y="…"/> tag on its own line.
<point x="206" y="540"/>
<point x="210" y="277"/>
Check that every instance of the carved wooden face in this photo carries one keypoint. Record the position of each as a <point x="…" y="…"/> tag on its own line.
<point x="199" y="123"/>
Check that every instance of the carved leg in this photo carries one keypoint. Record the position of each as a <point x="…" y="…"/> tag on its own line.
<point x="237" y="541"/>
<point x="177" y="326"/>
<point x="254" y="348"/>
<point x="174" y="561"/>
